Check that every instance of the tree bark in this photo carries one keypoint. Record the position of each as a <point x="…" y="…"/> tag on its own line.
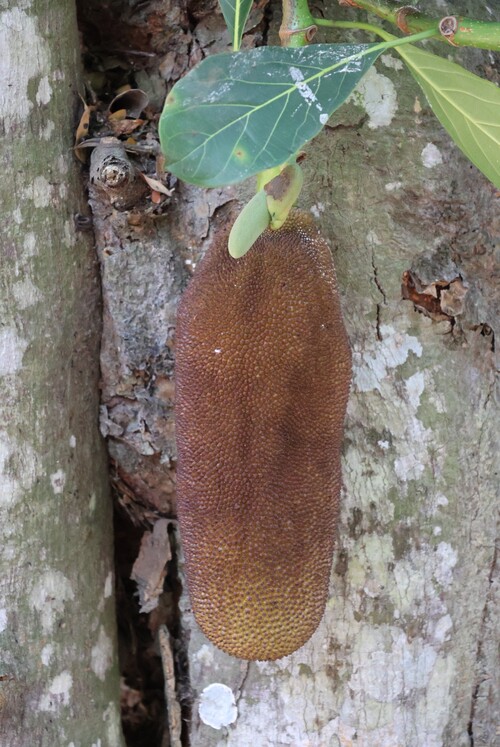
<point x="58" y="671"/>
<point x="406" y="653"/>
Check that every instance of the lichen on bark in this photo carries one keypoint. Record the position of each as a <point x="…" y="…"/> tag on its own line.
<point x="58" y="675"/>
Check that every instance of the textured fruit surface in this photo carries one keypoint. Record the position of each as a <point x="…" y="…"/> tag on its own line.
<point x="263" y="370"/>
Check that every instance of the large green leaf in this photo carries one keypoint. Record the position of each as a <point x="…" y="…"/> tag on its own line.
<point x="237" y="114"/>
<point x="235" y="15"/>
<point x="466" y="105"/>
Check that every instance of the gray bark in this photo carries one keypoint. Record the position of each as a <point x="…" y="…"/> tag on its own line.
<point x="406" y="654"/>
<point x="58" y="671"/>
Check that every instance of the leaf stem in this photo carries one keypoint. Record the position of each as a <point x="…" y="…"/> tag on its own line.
<point x="458" y="30"/>
<point x="297" y="27"/>
<point x="353" y="25"/>
<point x="396" y="42"/>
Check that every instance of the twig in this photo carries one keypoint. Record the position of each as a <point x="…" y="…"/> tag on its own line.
<point x="173" y="706"/>
<point x="457" y="30"/>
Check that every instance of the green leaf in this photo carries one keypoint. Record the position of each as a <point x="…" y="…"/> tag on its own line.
<point x="237" y="114"/>
<point x="248" y="226"/>
<point x="235" y="15"/>
<point x="466" y="105"/>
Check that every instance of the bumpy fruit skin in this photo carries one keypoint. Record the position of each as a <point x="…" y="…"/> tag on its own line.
<point x="263" y="369"/>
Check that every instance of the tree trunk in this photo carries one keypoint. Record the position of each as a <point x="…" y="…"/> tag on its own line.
<point x="406" y="653"/>
<point x="58" y="673"/>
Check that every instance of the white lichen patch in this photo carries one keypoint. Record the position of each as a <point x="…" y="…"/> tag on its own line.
<point x="439" y="631"/>
<point x="46" y="654"/>
<point x="101" y="656"/>
<point x="58" y="481"/>
<point x="72" y="442"/>
<point x="3" y="619"/>
<point x="217" y="706"/>
<point x="393" y="186"/>
<point x="47" y="130"/>
<point x="317" y="209"/>
<point x="374" y="364"/>
<point x="19" y="32"/>
<point x="12" y="349"/>
<point x="413" y="449"/>
<point x="111" y="718"/>
<point x="25" y="294"/>
<point x="387" y="666"/>
<point x="44" y="92"/>
<point x="393" y="63"/>
<point x="205" y="655"/>
<point x="57" y="694"/>
<point x="108" y="586"/>
<point x="431" y="156"/>
<point x="62" y="165"/>
<point x="19" y="469"/>
<point x="9" y="487"/>
<point x="446" y="560"/>
<point x="48" y="597"/>
<point x="41" y="192"/>
<point x="376" y="93"/>
<point x="30" y="244"/>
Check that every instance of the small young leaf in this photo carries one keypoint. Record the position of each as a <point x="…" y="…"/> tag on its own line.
<point x="466" y="105"/>
<point x="235" y="15"/>
<point x="237" y="114"/>
<point x="282" y="193"/>
<point x="248" y="226"/>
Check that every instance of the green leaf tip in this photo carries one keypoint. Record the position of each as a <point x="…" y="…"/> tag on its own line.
<point x="248" y="226"/>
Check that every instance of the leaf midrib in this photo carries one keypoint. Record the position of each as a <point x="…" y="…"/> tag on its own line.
<point x="321" y="73"/>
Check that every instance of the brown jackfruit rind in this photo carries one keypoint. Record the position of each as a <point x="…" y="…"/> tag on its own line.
<point x="263" y="370"/>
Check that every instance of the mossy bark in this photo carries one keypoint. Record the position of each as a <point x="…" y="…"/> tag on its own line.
<point x="58" y="674"/>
